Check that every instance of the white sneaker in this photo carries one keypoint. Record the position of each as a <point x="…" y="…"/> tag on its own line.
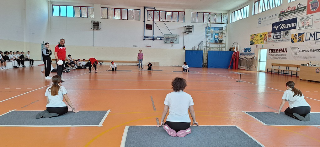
<point x="48" y="78"/>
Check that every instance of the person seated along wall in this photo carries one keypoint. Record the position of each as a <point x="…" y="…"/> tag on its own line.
<point x="2" y="60"/>
<point x="18" y="59"/>
<point x="15" y="62"/>
<point x="72" y="63"/>
<point x="92" y="62"/>
<point x="55" y="95"/>
<point x="22" y="58"/>
<point x="83" y="63"/>
<point x="149" y="66"/>
<point x="185" y="67"/>
<point x="6" y="59"/>
<point x="29" y="59"/>
<point x="113" y="66"/>
<point x="178" y="103"/>
<point x="298" y="106"/>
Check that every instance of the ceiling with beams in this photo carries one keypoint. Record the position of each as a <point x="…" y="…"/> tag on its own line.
<point x="210" y="5"/>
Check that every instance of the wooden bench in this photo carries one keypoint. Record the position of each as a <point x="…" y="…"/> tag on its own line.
<point x="292" y="72"/>
<point x="277" y="68"/>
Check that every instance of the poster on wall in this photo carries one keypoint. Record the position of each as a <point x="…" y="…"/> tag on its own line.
<point x="267" y="20"/>
<point x="284" y="25"/>
<point x="310" y="53"/>
<point x="260" y="38"/>
<point x="214" y="34"/>
<point x="308" y="37"/>
<point x="297" y="37"/>
<point x="278" y="54"/>
<point x="247" y="52"/>
<point x="313" y="6"/>
<point x="283" y="36"/>
<point x="305" y="22"/>
<point x="293" y="12"/>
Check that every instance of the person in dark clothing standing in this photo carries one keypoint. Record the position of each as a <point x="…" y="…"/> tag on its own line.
<point x="60" y="54"/>
<point x="46" y="53"/>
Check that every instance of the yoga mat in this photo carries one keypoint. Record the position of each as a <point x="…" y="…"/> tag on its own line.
<point x="28" y="118"/>
<point x="271" y="118"/>
<point x="201" y="136"/>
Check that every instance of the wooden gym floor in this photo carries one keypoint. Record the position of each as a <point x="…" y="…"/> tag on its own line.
<point x="218" y="98"/>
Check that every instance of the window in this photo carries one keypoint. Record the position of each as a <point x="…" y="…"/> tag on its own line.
<point x="72" y="11"/>
<point x="104" y="13"/>
<point x="127" y="14"/>
<point x="239" y="14"/>
<point x="289" y="1"/>
<point x="264" y="5"/>
<point x="169" y="16"/>
<point x="199" y="17"/>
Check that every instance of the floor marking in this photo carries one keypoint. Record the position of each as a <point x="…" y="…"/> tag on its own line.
<point x="124" y="136"/>
<point x="18" y="88"/>
<point x="250" y="136"/>
<point x="315" y="91"/>
<point x="307" y="91"/>
<point x="96" y="137"/>
<point x="30" y="103"/>
<point x="29" y="88"/>
<point x="7" y="88"/>
<point x="105" y="116"/>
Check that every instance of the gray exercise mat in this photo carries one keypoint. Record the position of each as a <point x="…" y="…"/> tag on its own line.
<point x="201" y="136"/>
<point x="28" y="118"/>
<point x="271" y="118"/>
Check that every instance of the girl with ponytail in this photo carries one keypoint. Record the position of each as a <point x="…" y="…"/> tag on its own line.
<point x="298" y="106"/>
<point x="55" y="95"/>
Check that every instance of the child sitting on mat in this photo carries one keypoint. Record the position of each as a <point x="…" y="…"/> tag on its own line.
<point x="55" y="95"/>
<point x="298" y="106"/>
<point x="178" y="103"/>
<point x="185" y="67"/>
<point x="113" y="66"/>
<point x="149" y="66"/>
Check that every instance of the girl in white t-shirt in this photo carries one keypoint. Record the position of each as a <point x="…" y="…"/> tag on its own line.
<point x="55" y="95"/>
<point x="178" y="103"/>
<point x="298" y="106"/>
<point x="113" y="66"/>
<point x="185" y="67"/>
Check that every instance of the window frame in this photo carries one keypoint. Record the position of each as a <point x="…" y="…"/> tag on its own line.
<point x="73" y="11"/>
<point x="165" y="16"/>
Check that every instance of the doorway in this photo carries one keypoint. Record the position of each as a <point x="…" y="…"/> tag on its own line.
<point x="263" y="59"/>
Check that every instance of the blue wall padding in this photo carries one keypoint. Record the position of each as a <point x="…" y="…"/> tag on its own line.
<point x="219" y="59"/>
<point x="194" y="58"/>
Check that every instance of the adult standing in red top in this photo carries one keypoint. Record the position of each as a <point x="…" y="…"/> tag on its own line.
<point x="60" y="54"/>
<point x="93" y="62"/>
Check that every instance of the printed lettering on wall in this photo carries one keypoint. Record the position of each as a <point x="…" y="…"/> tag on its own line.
<point x="267" y="20"/>
<point x="305" y="52"/>
<point x="313" y="6"/>
<point x="278" y="54"/>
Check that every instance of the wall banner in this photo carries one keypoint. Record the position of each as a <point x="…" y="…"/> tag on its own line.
<point x="305" y="22"/>
<point x="284" y="25"/>
<point x="283" y="36"/>
<point x="309" y="53"/>
<point x="267" y="20"/>
<point x="313" y="6"/>
<point x="293" y="11"/>
<point x="260" y="38"/>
